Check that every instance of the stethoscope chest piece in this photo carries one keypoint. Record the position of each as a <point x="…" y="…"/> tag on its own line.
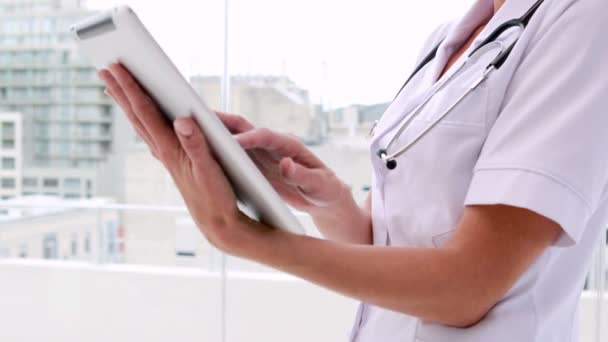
<point x="391" y="164"/>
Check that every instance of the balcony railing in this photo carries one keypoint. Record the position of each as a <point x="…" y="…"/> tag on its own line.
<point x="166" y="283"/>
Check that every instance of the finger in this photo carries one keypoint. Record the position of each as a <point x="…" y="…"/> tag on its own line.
<point x="311" y="183"/>
<point x="137" y="125"/>
<point x="115" y="90"/>
<point x="139" y="129"/>
<point x="193" y="141"/>
<point x="259" y="138"/>
<point x="118" y="95"/>
<point x="148" y="113"/>
<point x="280" y="144"/>
<point x="235" y="123"/>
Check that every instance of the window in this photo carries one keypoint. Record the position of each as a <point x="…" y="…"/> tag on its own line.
<point x="50" y="182"/>
<point x="66" y="94"/>
<point x="8" y="144"/>
<point x="23" y="251"/>
<point x="20" y="75"/>
<point x="89" y="112"/>
<point x="72" y="196"/>
<point x="86" y="130"/>
<point x="50" y="246"/>
<point x="74" y="246"/>
<point x="63" y="148"/>
<point x="111" y="238"/>
<point x="8" y="183"/>
<point x="85" y="75"/>
<point x="72" y="183"/>
<point x="65" y="112"/>
<point x="87" y="149"/>
<point x="87" y="243"/>
<point x="41" y="76"/>
<point x="63" y="129"/>
<point x="41" y="112"/>
<point x="42" y="93"/>
<point x="19" y="93"/>
<point x="47" y="24"/>
<point x="8" y="163"/>
<point x="65" y="57"/>
<point x="5" y="252"/>
<point x="8" y="130"/>
<point x="88" y="94"/>
<point x="41" y="130"/>
<point x="42" y="148"/>
<point x="31" y="182"/>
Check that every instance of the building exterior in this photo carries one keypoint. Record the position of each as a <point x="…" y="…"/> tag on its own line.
<point x="68" y="126"/>
<point x="355" y="120"/>
<point x="55" y="230"/>
<point x="67" y="118"/>
<point x="11" y="149"/>
<point x="63" y="182"/>
<point x="267" y="101"/>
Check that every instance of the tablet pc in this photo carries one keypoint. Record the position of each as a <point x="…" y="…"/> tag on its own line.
<point x="118" y="35"/>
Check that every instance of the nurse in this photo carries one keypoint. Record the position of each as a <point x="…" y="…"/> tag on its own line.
<point x="485" y="229"/>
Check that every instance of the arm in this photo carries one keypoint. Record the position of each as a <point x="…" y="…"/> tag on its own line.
<point x="347" y="223"/>
<point x="491" y="249"/>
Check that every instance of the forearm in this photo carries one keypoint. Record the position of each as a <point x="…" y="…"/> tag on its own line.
<point x="345" y="221"/>
<point x="433" y="284"/>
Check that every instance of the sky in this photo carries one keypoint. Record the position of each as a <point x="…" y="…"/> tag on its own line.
<point x="342" y="51"/>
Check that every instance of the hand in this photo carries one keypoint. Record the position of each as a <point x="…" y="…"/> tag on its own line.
<point x="184" y="152"/>
<point x="294" y="171"/>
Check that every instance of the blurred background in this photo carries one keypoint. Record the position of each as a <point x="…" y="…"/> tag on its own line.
<point x="95" y="243"/>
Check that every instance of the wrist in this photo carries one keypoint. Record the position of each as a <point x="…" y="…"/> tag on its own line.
<point x="344" y="220"/>
<point x="268" y="246"/>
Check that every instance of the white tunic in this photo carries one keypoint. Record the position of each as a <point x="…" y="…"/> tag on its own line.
<point x="533" y="136"/>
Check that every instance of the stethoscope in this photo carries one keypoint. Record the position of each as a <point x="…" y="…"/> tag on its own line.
<point x="495" y="64"/>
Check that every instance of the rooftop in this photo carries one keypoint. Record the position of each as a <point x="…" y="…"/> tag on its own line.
<point x="28" y="207"/>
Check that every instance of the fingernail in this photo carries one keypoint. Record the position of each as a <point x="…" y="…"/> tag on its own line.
<point x="107" y="92"/>
<point x="183" y="127"/>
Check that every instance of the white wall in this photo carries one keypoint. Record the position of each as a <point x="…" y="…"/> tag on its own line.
<point x="75" y="302"/>
<point x="72" y="302"/>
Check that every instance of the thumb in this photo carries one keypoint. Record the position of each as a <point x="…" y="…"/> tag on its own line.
<point x="314" y="184"/>
<point x="192" y="140"/>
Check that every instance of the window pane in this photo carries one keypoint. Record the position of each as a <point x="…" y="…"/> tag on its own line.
<point x="72" y="183"/>
<point x="30" y="182"/>
<point x="8" y="183"/>
<point x="8" y="163"/>
<point x="48" y="182"/>
<point x="50" y="247"/>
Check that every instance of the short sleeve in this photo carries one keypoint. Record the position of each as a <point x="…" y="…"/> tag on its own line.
<point x="548" y="149"/>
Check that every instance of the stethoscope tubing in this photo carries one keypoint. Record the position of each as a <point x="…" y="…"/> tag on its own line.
<point x="391" y="157"/>
<point x="494" y="65"/>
